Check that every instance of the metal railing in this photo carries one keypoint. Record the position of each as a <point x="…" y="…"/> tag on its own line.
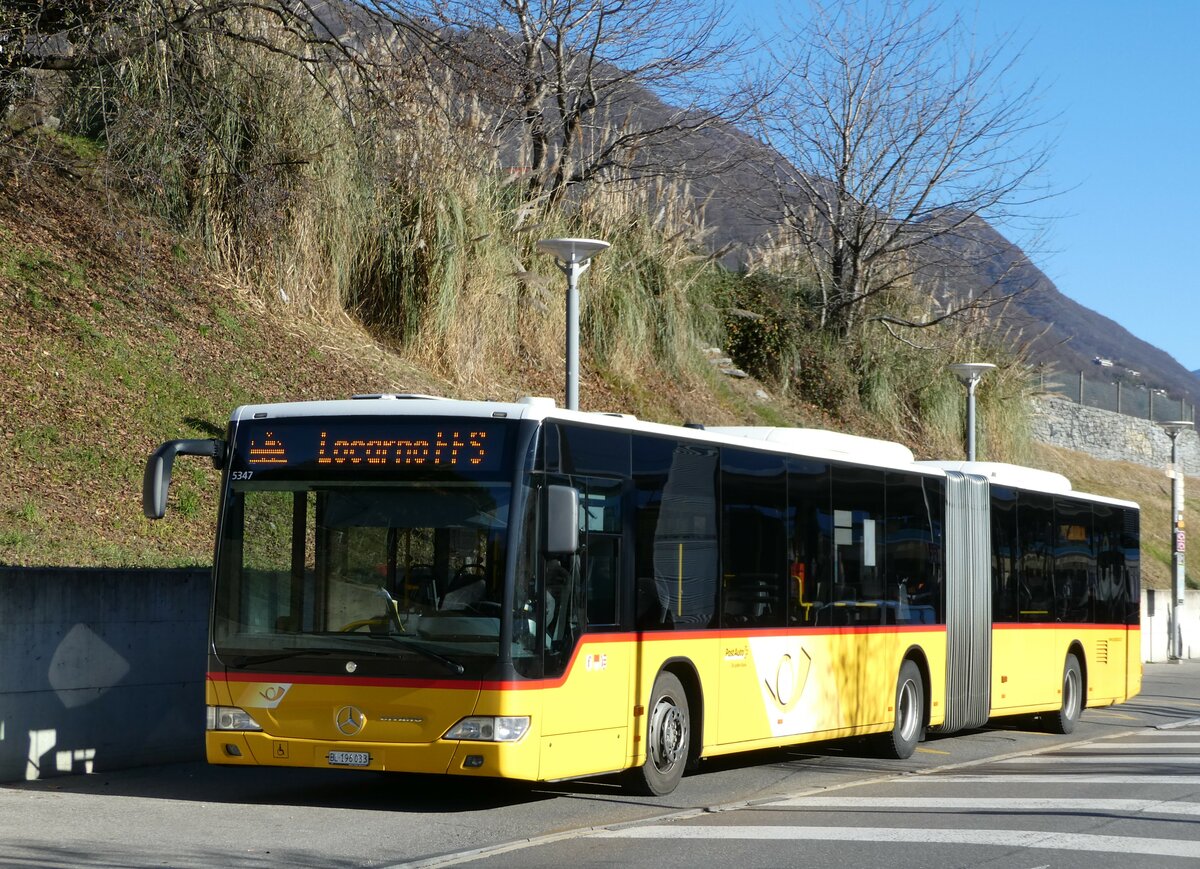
<point x="1130" y="398"/>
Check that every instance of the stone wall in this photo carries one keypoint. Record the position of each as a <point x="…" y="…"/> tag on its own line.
<point x="1107" y="435"/>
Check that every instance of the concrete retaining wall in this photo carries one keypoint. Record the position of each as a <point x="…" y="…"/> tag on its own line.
<point x="100" y="669"/>
<point x="1156" y="627"/>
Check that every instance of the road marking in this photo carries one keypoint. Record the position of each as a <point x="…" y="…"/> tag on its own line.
<point x="972" y="804"/>
<point x="1044" y="759"/>
<point x="1174" y="725"/>
<point x="894" y="835"/>
<point x="925" y="750"/>
<point x="933" y="775"/>
<point x="1121" y="746"/>
<point x="1108" y="714"/>
<point x="1064" y="778"/>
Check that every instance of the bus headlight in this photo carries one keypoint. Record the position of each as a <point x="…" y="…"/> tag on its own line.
<point x="485" y="728"/>
<point x="230" y="718"/>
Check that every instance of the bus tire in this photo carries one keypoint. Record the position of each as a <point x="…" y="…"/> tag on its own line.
<point x="909" y="724"/>
<point x="1065" y="719"/>
<point x="668" y="735"/>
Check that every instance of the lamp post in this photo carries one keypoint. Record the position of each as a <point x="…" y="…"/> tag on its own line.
<point x="1173" y="429"/>
<point x="969" y="374"/>
<point x="573" y="256"/>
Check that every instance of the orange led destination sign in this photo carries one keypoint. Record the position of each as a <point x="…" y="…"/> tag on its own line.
<point x="266" y="450"/>
<point x="446" y="447"/>
<point x="370" y="445"/>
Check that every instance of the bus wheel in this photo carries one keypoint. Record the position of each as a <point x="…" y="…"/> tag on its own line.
<point x="1065" y="719"/>
<point x="909" y="724"/>
<point x="668" y="734"/>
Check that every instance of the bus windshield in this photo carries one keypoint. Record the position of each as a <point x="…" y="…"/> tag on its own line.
<point x="379" y="570"/>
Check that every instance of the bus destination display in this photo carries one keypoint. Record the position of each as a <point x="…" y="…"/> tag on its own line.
<point x="444" y="445"/>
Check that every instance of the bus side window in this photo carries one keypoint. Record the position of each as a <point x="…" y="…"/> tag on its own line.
<point x="1035" y="521"/>
<point x="601" y="528"/>
<point x="754" y="574"/>
<point x="676" y="557"/>
<point x="810" y="550"/>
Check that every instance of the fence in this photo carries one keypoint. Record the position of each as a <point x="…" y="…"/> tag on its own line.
<point x="1129" y="396"/>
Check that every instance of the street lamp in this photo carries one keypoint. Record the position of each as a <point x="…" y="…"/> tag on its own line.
<point x="969" y="374"/>
<point x="1173" y="429"/>
<point x="573" y="256"/>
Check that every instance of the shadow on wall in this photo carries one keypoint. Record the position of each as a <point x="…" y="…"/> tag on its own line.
<point x="100" y="669"/>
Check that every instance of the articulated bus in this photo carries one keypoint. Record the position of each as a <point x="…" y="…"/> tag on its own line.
<point x="515" y="590"/>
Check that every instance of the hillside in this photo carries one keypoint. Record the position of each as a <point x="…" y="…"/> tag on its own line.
<point x="116" y="336"/>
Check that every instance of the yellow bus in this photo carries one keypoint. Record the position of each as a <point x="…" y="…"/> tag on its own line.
<point x="514" y="590"/>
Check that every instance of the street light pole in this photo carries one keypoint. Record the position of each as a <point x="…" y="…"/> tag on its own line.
<point x="1178" y="538"/>
<point x="573" y="256"/>
<point x="969" y="374"/>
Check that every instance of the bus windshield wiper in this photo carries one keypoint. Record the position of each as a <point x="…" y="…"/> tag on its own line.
<point x="243" y="660"/>
<point x="406" y="642"/>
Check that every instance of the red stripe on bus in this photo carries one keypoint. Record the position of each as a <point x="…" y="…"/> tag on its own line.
<point x="598" y="640"/>
<point x="1058" y="626"/>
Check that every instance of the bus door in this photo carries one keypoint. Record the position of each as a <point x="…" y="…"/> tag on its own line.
<point x="588" y="663"/>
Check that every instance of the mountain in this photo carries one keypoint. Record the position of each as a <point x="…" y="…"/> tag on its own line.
<point x="1061" y="337"/>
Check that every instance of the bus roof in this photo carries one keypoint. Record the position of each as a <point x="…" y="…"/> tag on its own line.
<point x="1020" y="477"/>
<point x="815" y="443"/>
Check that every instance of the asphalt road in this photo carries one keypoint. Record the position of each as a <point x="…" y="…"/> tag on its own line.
<point x="1002" y="797"/>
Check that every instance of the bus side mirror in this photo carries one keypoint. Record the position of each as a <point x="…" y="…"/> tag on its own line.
<point x="157" y="479"/>
<point x="562" y="520"/>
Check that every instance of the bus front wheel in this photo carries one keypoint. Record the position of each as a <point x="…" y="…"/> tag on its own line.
<point x="909" y="723"/>
<point x="1067" y="716"/>
<point x="668" y="735"/>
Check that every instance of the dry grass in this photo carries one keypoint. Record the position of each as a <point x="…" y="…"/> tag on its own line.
<point x="116" y="335"/>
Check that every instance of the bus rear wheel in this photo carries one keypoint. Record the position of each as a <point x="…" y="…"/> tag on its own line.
<point x="1067" y="716"/>
<point x="668" y="736"/>
<point x="909" y="724"/>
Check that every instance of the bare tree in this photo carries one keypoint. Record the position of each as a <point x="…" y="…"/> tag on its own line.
<point x="900" y="137"/>
<point x="597" y="88"/>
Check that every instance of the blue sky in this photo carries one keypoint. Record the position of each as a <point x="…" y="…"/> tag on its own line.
<point x="1125" y="82"/>
<point x="1122" y="81"/>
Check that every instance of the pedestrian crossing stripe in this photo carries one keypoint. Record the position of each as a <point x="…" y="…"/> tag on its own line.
<point x="1019" y="805"/>
<point x="895" y="835"/>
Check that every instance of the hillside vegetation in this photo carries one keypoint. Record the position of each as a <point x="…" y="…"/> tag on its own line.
<point x="117" y="335"/>
<point x="209" y="227"/>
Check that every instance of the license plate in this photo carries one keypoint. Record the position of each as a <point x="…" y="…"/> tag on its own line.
<point x="349" y="758"/>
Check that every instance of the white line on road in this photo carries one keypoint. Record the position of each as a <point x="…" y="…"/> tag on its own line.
<point x="1122" y="746"/>
<point x="894" y="835"/>
<point x="1064" y="778"/>
<point x="973" y="804"/>
<point x="1174" y="725"/>
<point x="1043" y="759"/>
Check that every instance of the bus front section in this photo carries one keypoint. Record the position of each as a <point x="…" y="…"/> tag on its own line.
<point x="361" y="614"/>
